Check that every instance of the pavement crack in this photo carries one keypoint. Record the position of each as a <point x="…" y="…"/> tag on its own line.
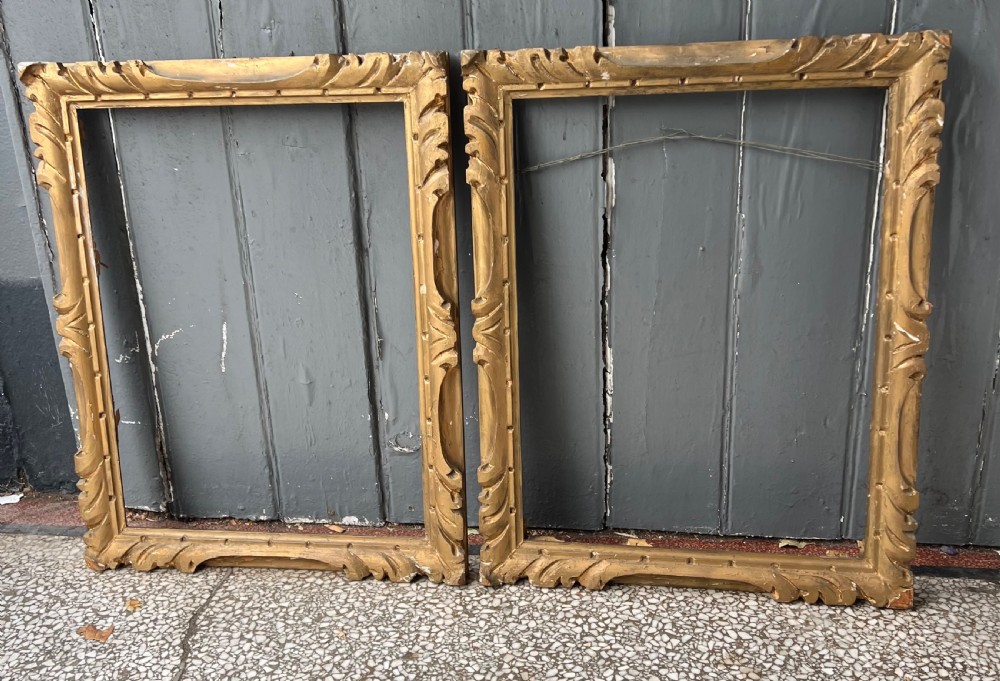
<point x="192" y="626"/>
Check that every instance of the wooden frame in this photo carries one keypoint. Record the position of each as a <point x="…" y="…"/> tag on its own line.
<point x="912" y="67"/>
<point x="419" y="81"/>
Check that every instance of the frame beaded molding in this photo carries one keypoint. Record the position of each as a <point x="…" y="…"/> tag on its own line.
<point x="911" y="67"/>
<point x="416" y="79"/>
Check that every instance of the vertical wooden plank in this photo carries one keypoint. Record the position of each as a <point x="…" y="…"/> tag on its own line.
<point x="381" y="176"/>
<point x="292" y="168"/>
<point x="183" y="216"/>
<point x="959" y="468"/>
<point x="61" y="30"/>
<point x="17" y="257"/>
<point x="144" y="483"/>
<point x="8" y="443"/>
<point x="985" y="512"/>
<point x="32" y="31"/>
<point x="670" y="259"/>
<point x="800" y="287"/>
<point x="36" y="436"/>
<point x="394" y="26"/>
<point x="40" y="30"/>
<point x="559" y="247"/>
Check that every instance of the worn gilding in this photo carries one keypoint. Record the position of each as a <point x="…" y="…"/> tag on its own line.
<point x="912" y="67"/>
<point x="419" y="81"/>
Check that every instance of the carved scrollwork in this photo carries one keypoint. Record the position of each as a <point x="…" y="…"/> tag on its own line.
<point x="916" y="118"/>
<point x="491" y="309"/>
<point x="838" y="58"/>
<point x="402" y="562"/>
<point x="291" y="75"/>
<point x="437" y="296"/>
<point x="419" y="79"/>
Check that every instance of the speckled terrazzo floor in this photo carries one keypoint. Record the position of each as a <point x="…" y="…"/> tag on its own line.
<point x="272" y="624"/>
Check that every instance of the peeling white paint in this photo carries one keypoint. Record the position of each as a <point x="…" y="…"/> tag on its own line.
<point x="394" y="444"/>
<point x="126" y="357"/>
<point x="168" y="489"/>
<point x="130" y="423"/>
<point x="303" y="521"/>
<point x="350" y="520"/>
<point x="609" y="32"/>
<point x="607" y="253"/>
<point x="225" y="343"/>
<point x="165" y="337"/>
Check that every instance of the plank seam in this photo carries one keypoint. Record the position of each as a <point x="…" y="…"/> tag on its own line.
<point x="159" y="420"/>
<point x="608" y="177"/>
<point x="984" y="441"/>
<point x="22" y="140"/>
<point x="859" y="405"/>
<point x="366" y="285"/>
<point x="733" y="312"/>
<point x="249" y="290"/>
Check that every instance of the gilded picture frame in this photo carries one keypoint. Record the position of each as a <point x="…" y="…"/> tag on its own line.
<point x="911" y="67"/>
<point x="419" y="81"/>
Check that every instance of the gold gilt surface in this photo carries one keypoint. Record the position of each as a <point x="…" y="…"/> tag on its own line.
<point x="912" y="67"/>
<point x="419" y="81"/>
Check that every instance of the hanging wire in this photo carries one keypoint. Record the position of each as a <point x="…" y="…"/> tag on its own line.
<point x="678" y="134"/>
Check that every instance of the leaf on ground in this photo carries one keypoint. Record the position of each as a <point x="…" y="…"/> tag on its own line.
<point x="133" y="604"/>
<point x="341" y="633"/>
<point x="92" y="633"/>
<point x="792" y="542"/>
<point x="335" y="528"/>
<point x="635" y="541"/>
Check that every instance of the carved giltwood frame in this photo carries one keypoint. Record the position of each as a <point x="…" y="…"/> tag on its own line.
<point x="911" y="67"/>
<point x="419" y="81"/>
